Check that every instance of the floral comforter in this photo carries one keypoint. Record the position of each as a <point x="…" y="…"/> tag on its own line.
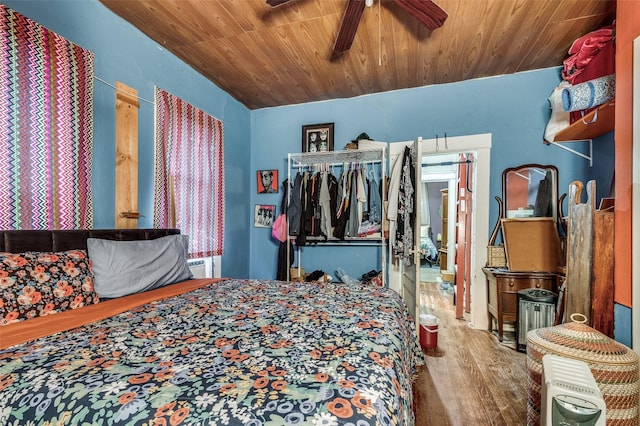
<point x="236" y="352"/>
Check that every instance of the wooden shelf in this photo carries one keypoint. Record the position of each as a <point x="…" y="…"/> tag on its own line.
<point x="586" y="129"/>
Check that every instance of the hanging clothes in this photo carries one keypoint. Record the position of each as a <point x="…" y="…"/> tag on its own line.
<point x="343" y="211"/>
<point x="392" y="205"/>
<point x="352" y="224"/>
<point x="361" y="194"/>
<point x="312" y="206"/>
<point x="322" y="205"/>
<point x="375" y="201"/>
<point x="328" y="201"/>
<point x="294" y="210"/>
<point x="404" y="242"/>
<point x="305" y="211"/>
<point x="283" y="264"/>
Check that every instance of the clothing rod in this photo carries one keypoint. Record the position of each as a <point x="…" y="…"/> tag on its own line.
<point x="298" y="164"/>
<point x="115" y="88"/>
<point x="447" y="163"/>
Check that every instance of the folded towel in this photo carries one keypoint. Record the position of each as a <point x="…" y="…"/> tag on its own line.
<point x="586" y="48"/>
<point x="589" y="94"/>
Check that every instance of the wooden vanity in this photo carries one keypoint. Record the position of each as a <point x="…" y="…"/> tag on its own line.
<point x="529" y="222"/>
<point x="502" y="289"/>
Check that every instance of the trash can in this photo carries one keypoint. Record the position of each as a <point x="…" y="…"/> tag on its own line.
<point x="536" y="309"/>
<point x="428" y="331"/>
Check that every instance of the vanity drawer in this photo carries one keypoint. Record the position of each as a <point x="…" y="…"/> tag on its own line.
<point x="514" y="284"/>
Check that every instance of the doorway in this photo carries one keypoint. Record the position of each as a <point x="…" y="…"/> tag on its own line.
<point x="438" y="178"/>
<point x="442" y="151"/>
<point x="441" y="227"/>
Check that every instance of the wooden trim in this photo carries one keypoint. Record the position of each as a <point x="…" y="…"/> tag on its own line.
<point x="126" y="197"/>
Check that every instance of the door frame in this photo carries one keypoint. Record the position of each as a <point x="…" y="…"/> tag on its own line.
<point x="480" y="146"/>
<point x="450" y="179"/>
<point x="635" y="197"/>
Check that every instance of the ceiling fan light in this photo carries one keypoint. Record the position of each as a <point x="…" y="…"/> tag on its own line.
<point x="368" y="3"/>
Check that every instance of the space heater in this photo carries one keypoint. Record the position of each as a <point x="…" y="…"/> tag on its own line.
<point x="570" y="394"/>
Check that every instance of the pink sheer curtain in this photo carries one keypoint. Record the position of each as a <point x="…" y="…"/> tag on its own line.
<point x="189" y="183"/>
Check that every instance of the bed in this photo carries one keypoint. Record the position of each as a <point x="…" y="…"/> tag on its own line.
<point x="428" y="250"/>
<point x="205" y="351"/>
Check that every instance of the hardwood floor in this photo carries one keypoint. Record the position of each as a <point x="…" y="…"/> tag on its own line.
<point x="470" y="378"/>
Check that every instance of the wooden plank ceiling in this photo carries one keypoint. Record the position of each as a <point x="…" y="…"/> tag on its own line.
<point x="265" y="56"/>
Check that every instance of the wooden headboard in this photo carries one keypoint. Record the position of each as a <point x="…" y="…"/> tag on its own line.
<point x="62" y="240"/>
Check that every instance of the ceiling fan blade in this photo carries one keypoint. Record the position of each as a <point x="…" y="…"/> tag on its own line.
<point x="427" y="12"/>
<point x="274" y="3"/>
<point x="349" y="26"/>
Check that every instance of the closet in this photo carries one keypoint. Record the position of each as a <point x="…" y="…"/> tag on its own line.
<point x="359" y="168"/>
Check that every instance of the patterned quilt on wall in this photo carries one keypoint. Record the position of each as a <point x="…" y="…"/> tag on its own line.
<point x="46" y="127"/>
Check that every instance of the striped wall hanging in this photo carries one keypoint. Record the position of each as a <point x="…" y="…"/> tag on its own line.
<point x="46" y="127"/>
<point x="189" y="182"/>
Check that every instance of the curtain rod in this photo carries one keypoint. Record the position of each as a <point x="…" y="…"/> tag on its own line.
<point x="115" y="88"/>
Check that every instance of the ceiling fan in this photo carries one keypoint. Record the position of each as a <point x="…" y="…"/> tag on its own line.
<point x="426" y="12"/>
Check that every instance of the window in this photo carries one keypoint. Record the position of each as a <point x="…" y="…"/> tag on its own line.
<point x="46" y="117"/>
<point x="189" y="183"/>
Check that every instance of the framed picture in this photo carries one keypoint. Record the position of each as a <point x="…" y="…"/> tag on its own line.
<point x="264" y="216"/>
<point x="267" y="181"/>
<point x="317" y="137"/>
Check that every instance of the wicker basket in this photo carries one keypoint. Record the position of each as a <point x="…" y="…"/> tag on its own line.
<point x="496" y="257"/>
<point x="613" y="365"/>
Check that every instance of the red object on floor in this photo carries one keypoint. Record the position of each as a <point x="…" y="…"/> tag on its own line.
<point x="429" y="336"/>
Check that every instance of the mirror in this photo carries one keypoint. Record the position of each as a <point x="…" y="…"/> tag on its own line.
<point x="530" y="190"/>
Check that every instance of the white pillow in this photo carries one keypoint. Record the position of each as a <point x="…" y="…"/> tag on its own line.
<point x="126" y="267"/>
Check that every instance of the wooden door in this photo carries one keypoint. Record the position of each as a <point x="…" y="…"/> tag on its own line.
<point x="463" y="234"/>
<point x="411" y="273"/>
<point x="403" y="277"/>
<point x="460" y="267"/>
<point x="468" y="234"/>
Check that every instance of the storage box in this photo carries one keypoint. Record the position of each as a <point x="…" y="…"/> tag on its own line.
<point x="532" y="244"/>
<point x="496" y="257"/>
<point x="448" y="276"/>
<point x="296" y="274"/>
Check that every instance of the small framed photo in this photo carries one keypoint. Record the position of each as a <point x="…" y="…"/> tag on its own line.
<point x="267" y="181"/>
<point x="264" y="216"/>
<point x="317" y="137"/>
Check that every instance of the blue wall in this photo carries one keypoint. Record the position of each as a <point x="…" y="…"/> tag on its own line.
<point x="123" y="53"/>
<point x="513" y="108"/>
